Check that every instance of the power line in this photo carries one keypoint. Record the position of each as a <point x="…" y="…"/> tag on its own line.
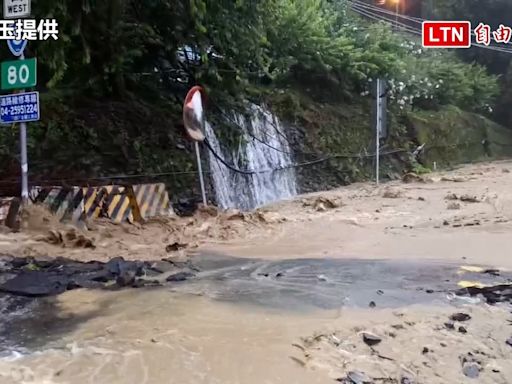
<point x="375" y="8"/>
<point x="369" y="11"/>
<point x="375" y="17"/>
<point x="372" y="12"/>
<point x="386" y="11"/>
<point x="297" y="165"/>
<point x="254" y="137"/>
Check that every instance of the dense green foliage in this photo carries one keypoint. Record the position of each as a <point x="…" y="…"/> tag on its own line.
<point x="117" y="62"/>
<point x="117" y="48"/>
<point x="494" y="13"/>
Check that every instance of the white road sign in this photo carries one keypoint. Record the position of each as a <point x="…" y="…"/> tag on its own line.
<point x="16" y="9"/>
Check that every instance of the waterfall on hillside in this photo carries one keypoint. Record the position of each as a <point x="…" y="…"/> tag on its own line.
<point x="263" y="147"/>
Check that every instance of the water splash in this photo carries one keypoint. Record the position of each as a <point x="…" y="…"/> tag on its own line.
<point x="263" y="147"/>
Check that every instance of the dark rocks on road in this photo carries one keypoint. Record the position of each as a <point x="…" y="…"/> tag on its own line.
<point x="509" y="341"/>
<point x="185" y="207"/>
<point x="355" y="377"/>
<point x="36" y="283"/>
<point x="33" y="277"/>
<point x="118" y="266"/>
<point x="406" y="380"/>
<point x="140" y="283"/>
<point x="463" y="330"/>
<point x="43" y="261"/>
<point x="162" y="266"/>
<point x="175" y="247"/>
<point x="493" y="294"/>
<point x="449" y="325"/>
<point x="125" y="278"/>
<point x="469" y="199"/>
<point x="371" y="339"/>
<point x="471" y="370"/>
<point x="19" y="262"/>
<point x="460" y="317"/>
<point x="180" y="276"/>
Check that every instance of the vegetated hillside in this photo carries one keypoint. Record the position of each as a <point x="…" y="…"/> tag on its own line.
<point x="112" y="88"/>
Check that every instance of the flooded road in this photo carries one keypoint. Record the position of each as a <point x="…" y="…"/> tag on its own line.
<point x="237" y="322"/>
<point x="161" y="337"/>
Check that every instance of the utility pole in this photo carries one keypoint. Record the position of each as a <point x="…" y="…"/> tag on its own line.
<point x="378" y="127"/>
<point x="24" y="156"/>
<point x="380" y="121"/>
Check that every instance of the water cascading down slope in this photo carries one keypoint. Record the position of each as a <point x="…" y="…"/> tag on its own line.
<point x="263" y="148"/>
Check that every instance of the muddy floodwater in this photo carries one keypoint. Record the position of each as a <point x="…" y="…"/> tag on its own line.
<point x="238" y="321"/>
<point x="161" y="337"/>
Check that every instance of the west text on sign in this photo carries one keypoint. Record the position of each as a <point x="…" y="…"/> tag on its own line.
<point x="14" y="9"/>
<point x="19" y="107"/>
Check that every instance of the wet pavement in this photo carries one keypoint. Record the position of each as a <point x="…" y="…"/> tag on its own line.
<point x="331" y="283"/>
<point x="289" y="285"/>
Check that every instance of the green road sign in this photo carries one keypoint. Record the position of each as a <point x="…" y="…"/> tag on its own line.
<point x="19" y="74"/>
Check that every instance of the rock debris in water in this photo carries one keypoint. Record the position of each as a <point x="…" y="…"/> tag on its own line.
<point x="41" y="277"/>
<point x="356" y="377"/>
<point x="371" y="339"/>
<point x="460" y="317"/>
<point x="471" y="370"/>
<point x="180" y="276"/>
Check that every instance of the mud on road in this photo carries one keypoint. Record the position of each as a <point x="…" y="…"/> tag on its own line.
<point x="300" y="288"/>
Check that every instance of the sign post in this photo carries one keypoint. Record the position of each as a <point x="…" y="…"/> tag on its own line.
<point x="24" y="162"/>
<point x="377" y="134"/>
<point x="200" y="170"/>
<point x="23" y="106"/>
<point x="193" y="119"/>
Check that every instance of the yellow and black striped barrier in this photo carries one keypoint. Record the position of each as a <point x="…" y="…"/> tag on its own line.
<point x="152" y="200"/>
<point x="113" y="202"/>
<point x="127" y="203"/>
<point x="64" y="202"/>
<point x="5" y="205"/>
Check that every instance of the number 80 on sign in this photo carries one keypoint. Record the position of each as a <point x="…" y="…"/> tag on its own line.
<point x="19" y="74"/>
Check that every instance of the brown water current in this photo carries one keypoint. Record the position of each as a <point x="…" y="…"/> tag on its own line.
<point x="162" y="337"/>
<point x="254" y="321"/>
